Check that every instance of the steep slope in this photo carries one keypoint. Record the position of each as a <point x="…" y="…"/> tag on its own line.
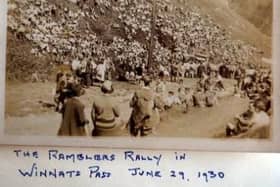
<point x="259" y="12"/>
<point x="44" y="33"/>
<point x="226" y="13"/>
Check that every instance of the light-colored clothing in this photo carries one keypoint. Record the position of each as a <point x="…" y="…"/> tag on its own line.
<point x="186" y="98"/>
<point x="199" y="99"/>
<point x="172" y="100"/>
<point x="161" y="88"/>
<point x="261" y="119"/>
<point x="94" y="66"/>
<point x="250" y="72"/>
<point x="101" y="70"/>
<point x="76" y="64"/>
<point x="166" y="73"/>
<point x="161" y="68"/>
<point x="83" y="66"/>
<point x="187" y="66"/>
<point x="211" y="98"/>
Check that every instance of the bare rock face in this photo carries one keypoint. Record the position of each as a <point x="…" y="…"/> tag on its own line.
<point x="258" y="12"/>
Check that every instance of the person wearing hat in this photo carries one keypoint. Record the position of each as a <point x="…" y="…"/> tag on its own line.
<point x="144" y="116"/>
<point x="105" y="113"/>
<point x="63" y="81"/>
<point x="73" y="115"/>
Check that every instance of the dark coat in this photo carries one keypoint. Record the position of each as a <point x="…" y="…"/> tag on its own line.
<point x="73" y="119"/>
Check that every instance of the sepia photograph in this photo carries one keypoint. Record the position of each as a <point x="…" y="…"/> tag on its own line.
<point x="139" y="68"/>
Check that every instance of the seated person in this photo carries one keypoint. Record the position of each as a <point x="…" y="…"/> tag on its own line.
<point x="255" y="116"/>
<point x="160" y="87"/>
<point x="211" y="98"/>
<point x="186" y="97"/>
<point x="171" y="100"/>
<point x="199" y="98"/>
<point x="181" y="85"/>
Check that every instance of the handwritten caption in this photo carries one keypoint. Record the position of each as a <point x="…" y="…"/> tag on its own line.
<point x="99" y="166"/>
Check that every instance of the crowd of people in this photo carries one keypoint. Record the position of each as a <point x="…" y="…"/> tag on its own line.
<point x="103" y="40"/>
<point x="153" y="97"/>
<point x="257" y="87"/>
<point x="120" y="30"/>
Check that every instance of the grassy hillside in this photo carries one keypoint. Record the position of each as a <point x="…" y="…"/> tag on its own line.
<point x="232" y="15"/>
<point x="259" y="12"/>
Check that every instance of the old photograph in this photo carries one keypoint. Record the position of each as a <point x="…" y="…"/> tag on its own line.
<point x="139" y="68"/>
